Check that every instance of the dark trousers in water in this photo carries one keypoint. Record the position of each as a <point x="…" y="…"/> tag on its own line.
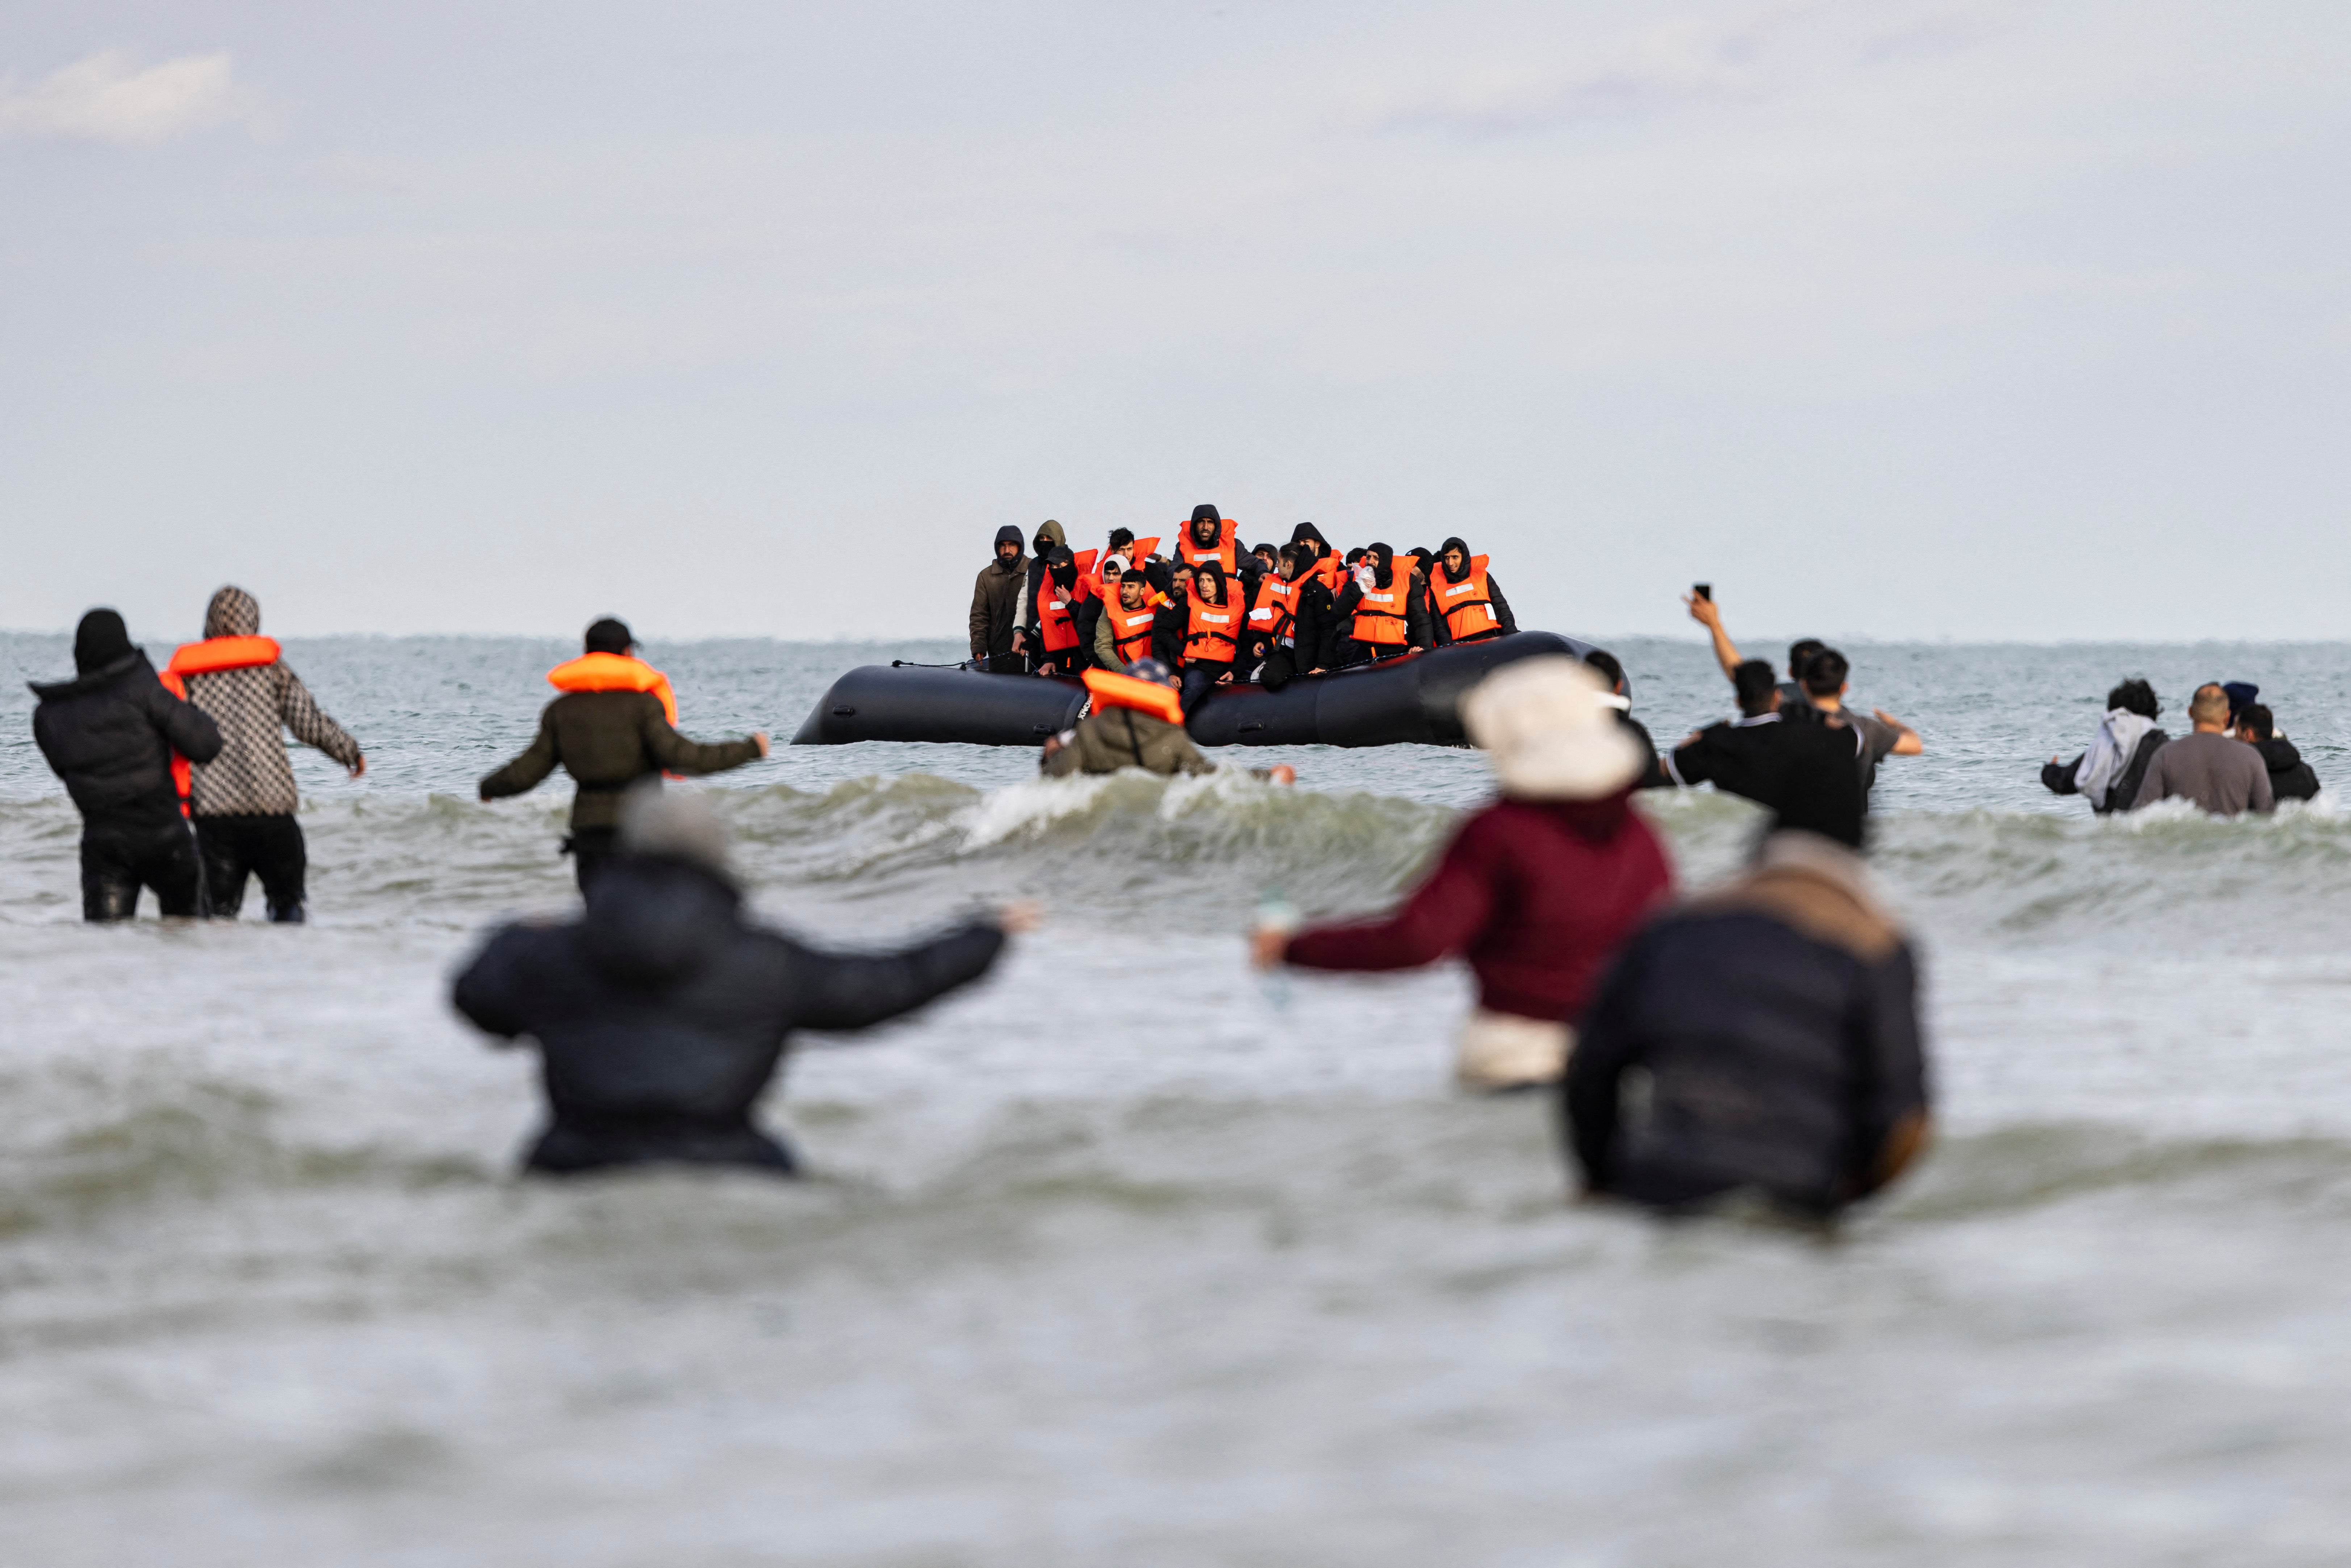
<point x="1199" y="680"/>
<point x="589" y="848"/>
<point x="118" y="861"/>
<point x="269" y="847"/>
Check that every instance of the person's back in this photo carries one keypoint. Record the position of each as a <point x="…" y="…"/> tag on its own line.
<point x="2111" y="769"/>
<point x="661" y="1015"/>
<point x="1137" y="722"/>
<point x="2219" y="773"/>
<point x="2291" y="778"/>
<point x="609" y="728"/>
<point x="110" y="734"/>
<point x="1774" y="1026"/>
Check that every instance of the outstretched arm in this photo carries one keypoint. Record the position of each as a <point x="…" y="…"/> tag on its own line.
<point x="310" y="724"/>
<point x="677" y="753"/>
<point x="526" y="771"/>
<point x="1708" y="614"/>
<point x="858" y="990"/>
<point x="1906" y="739"/>
<point x="1444" y="916"/>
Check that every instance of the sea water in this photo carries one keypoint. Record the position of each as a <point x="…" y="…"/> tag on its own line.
<point x="1112" y="1259"/>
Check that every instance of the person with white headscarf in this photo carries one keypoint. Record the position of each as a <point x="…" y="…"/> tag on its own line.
<point x="1536" y="891"/>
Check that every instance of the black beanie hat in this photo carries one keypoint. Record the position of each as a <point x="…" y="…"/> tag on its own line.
<point x="98" y="641"/>
<point x="609" y="636"/>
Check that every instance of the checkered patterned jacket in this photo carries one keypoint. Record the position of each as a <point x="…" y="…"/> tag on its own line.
<point x="250" y="777"/>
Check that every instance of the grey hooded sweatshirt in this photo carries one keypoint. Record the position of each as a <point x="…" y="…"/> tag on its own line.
<point x="250" y="777"/>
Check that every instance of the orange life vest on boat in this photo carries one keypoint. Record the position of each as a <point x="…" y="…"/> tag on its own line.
<point x="1467" y="605"/>
<point x="614" y="673"/>
<point x="1130" y="630"/>
<point x="1089" y="584"/>
<point x="209" y="657"/>
<point x="1276" y="610"/>
<point x="1113" y="691"/>
<point x="1213" y="636"/>
<point x="1225" y="553"/>
<point x="1380" y="618"/>
<point x="1057" y="622"/>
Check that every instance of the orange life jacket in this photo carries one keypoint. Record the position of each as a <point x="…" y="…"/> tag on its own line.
<point x="1213" y="636"/>
<point x="1276" y="610"/>
<point x="1089" y="584"/>
<point x="1057" y="622"/>
<point x="1467" y="605"/>
<point x="209" y="657"/>
<point x="1330" y="568"/>
<point x="614" y="673"/>
<point x="1380" y="618"/>
<point x="1226" y="553"/>
<point x="1130" y="630"/>
<point x="1111" y="691"/>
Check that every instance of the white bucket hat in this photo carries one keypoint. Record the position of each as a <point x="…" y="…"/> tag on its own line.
<point x="1551" y="731"/>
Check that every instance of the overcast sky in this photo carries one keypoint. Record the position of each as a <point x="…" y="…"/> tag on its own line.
<point x="1997" y="320"/>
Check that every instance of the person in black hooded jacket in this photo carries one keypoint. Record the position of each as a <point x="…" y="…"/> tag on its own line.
<point x="1384" y="566"/>
<point x="662" y="1015"/>
<point x="1447" y="588"/>
<point x="109" y="734"/>
<point x="2291" y="779"/>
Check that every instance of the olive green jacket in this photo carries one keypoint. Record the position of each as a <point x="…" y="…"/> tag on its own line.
<point x="1120" y="738"/>
<point x="607" y="741"/>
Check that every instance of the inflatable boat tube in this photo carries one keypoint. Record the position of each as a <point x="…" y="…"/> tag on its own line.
<point x="1406" y="701"/>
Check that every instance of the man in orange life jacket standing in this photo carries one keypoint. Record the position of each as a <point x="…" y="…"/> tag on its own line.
<point x="615" y="723"/>
<point x="123" y="741"/>
<point x="244" y="799"/>
<point x="1468" y="603"/>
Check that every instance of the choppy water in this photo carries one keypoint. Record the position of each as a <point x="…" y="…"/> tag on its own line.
<point x="1100" y="1271"/>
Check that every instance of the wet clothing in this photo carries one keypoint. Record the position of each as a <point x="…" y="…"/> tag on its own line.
<point x="1774" y="1030"/>
<point x="2291" y="779"/>
<point x="1122" y="738"/>
<point x="250" y="777"/>
<point x="266" y="845"/>
<point x="1536" y="894"/>
<point x="996" y="604"/>
<point x="109" y="734"/>
<point x="119" y="860"/>
<point x="607" y="741"/>
<point x="2220" y="773"/>
<point x="663" y="1014"/>
<point x="1806" y="769"/>
<point x="2122" y="792"/>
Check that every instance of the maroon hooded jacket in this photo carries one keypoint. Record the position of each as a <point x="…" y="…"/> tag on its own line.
<point x="1537" y="895"/>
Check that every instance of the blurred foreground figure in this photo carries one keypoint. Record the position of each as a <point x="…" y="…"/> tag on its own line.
<point x="1762" y="1038"/>
<point x="1536" y="891"/>
<point x="661" y="1016"/>
<point x="123" y="744"/>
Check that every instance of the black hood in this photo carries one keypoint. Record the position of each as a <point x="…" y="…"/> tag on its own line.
<point x="1455" y="543"/>
<point x="1204" y="518"/>
<point x="2279" y="755"/>
<point x="1209" y="572"/>
<point x="1008" y="534"/>
<point x="1307" y="533"/>
<point x="1383" y="566"/>
<point x="133" y="663"/>
<point x="652" y="922"/>
<point x="99" y="641"/>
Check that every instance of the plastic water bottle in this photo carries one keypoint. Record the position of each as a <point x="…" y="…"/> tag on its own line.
<point x="1276" y="913"/>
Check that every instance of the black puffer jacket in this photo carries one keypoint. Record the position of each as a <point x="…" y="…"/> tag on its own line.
<point x="661" y="1016"/>
<point x="110" y="734"/>
<point x="1775" y="1027"/>
<point x="2291" y="779"/>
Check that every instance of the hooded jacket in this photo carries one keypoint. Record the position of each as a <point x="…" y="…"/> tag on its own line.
<point x="2122" y="794"/>
<point x="1775" y="1024"/>
<point x="1385" y="564"/>
<point x="1120" y="738"/>
<point x="250" y="775"/>
<point x="2291" y="779"/>
<point x="661" y="1016"/>
<point x="1438" y="627"/>
<point x="1033" y="583"/>
<point x="996" y="600"/>
<point x="109" y="734"/>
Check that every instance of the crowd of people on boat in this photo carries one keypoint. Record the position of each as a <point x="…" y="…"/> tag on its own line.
<point x="1218" y="613"/>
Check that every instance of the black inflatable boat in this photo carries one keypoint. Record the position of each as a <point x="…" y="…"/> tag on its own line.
<point x="1415" y="699"/>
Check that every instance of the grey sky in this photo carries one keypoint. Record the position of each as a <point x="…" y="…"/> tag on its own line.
<point x="1890" y="318"/>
